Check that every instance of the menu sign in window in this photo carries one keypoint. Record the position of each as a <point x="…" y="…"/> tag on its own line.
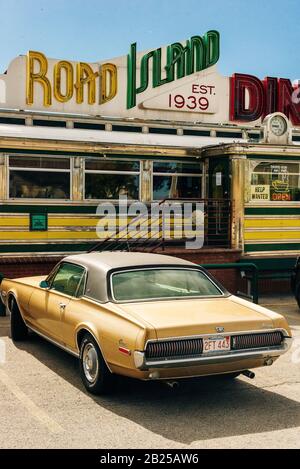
<point x="280" y="189"/>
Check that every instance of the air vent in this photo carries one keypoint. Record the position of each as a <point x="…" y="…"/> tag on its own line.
<point x="229" y="134"/>
<point x="11" y="120"/>
<point x="88" y="126"/>
<point x="158" y="130"/>
<point x="126" y="128"/>
<point x="197" y="133"/>
<point x="48" y="123"/>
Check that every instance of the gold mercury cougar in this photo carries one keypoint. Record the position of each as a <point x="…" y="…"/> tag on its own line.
<point x="145" y="316"/>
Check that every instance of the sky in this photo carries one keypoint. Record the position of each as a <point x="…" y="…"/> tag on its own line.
<point x="259" y="37"/>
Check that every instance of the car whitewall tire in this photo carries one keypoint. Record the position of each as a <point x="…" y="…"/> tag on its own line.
<point x="94" y="373"/>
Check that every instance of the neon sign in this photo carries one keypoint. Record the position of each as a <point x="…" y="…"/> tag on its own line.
<point x="75" y="78"/>
<point x="179" y="78"/>
<point x="68" y="80"/>
<point x="252" y="99"/>
<point x="198" y="54"/>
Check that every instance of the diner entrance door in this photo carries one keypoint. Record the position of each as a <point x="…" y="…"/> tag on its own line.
<point x="219" y="208"/>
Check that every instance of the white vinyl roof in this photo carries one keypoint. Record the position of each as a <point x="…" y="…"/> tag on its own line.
<point x="113" y="137"/>
<point x="98" y="264"/>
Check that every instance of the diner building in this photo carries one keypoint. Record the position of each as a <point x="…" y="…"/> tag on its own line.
<point x="76" y="135"/>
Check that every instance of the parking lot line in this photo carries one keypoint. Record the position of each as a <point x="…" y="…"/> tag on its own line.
<point x="32" y="408"/>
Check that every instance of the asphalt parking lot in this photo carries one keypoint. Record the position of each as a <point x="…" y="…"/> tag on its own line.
<point x="44" y="405"/>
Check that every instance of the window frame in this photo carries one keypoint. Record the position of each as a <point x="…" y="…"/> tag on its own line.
<point x="223" y="292"/>
<point x="279" y="203"/>
<point x="52" y="170"/>
<point x="166" y="174"/>
<point x="103" y="171"/>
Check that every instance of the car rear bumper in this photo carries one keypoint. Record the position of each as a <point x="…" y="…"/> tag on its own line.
<point x="263" y="355"/>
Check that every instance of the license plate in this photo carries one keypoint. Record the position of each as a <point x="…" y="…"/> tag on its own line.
<point x="216" y="344"/>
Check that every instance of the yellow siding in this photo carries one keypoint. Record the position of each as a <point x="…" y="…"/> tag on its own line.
<point x="14" y="221"/>
<point x="16" y="228"/>
<point x="272" y="223"/>
<point x="266" y="228"/>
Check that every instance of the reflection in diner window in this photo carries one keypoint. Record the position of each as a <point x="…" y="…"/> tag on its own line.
<point x="175" y="167"/>
<point x="39" y="185"/>
<point x="175" y="187"/>
<point x="111" y="186"/>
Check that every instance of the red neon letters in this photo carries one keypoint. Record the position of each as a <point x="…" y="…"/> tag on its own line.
<point x="251" y="98"/>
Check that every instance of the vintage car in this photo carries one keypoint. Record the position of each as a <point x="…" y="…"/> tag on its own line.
<point x="145" y="316"/>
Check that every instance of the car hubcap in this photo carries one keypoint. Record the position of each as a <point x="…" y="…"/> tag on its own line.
<point x="90" y="363"/>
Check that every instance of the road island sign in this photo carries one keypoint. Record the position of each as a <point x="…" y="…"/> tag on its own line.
<point x="176" y="82"/>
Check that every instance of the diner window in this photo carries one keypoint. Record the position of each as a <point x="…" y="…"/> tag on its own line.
<point x="175" y="180"/>
<point x="275" y="181"/>
<point x="110" y="179"/>
<point x="37" y="177"/>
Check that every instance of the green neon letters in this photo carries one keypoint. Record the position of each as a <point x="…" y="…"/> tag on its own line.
<point x="198" y="54"/>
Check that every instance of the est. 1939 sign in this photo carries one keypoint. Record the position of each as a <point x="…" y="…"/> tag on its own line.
<point x="199" y="98"/>
<point x="191" y="97"/>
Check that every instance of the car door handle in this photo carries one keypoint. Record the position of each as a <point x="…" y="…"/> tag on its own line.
<point x="62" y="305"/>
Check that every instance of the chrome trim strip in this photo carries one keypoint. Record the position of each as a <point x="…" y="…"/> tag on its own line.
<point x="219" y="334"/>
<point x="262" y="353"/>
<point x="66" y="349"/>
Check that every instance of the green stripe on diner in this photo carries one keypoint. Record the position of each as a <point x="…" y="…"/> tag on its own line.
<point x="272" y="263"/>
<point x="59" y="248"/>
<point x="285" y="157"/>
<point x="38" y="248"/>
<point x="57" y="209"/>
<point x="272" y="211"/>
<point x="272" y="247"/>
<point x="90" y="209"/>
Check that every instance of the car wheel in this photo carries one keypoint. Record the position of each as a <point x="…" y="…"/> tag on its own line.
<point x="94" y="372"/>
<point x="18" y="328"/>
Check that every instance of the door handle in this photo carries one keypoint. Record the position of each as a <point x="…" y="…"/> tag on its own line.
<point x="62" y="305"/>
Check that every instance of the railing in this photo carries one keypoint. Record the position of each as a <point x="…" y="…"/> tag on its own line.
<point x="242" y="267"/>
<point x="151" y="233"/>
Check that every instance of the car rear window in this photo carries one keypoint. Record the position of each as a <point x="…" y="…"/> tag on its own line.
<point x="161" y="283"/>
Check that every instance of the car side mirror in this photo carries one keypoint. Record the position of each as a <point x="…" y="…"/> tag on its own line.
<point x="44" y="284"/>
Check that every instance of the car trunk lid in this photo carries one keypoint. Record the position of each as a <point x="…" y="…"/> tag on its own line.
<point x="177" y="318"/>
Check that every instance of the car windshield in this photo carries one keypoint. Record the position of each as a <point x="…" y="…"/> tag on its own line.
<point x="161" y="283"/>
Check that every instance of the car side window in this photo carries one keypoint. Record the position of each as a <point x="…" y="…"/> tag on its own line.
<point x="69" y="279"/>
<point x="81" y="285"/>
